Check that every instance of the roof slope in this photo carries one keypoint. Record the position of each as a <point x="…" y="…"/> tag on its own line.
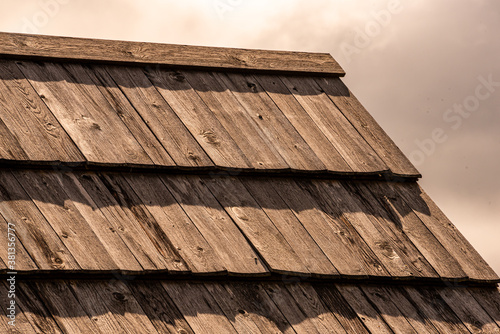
<point x="163" y="188"/>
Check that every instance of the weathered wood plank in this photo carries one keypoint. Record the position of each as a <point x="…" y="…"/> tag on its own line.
<point x="249" y="308"/>
<point x="276" y="252"/>
<point x="290" y="227"/>
<point x="198" y="118"/>
<point x="452" y="240"/>
<point x="35" y="233"/>
<point x="84" y="113"/>
<point x="20" y="324"/>
<point x="49" y="195"/>
<point x="489" y="299"/>
<point x="199" y="308"/>
<point x="183" y="234"/>
<point x="65" y="48"/>
<point x="159" y="307"/>
<point x="419" y="244"/>
<point x="10" y="148"/>
<point x="303" y="309"/>
<point x="129" y="116"/>
<point x="266" y="115"/>
<point x="348" y="318"/>
<point x="348" y="142"/>
<point x="340" y="242"/>
<point x="159" y="116"/>
<point x="303" y="123"/>
<point x="13" y="245"/>
<point x="366" y="125"/>
<point x="23" y="112"/>
<point x="215" y="225"/>
<point x="231" y="114"/>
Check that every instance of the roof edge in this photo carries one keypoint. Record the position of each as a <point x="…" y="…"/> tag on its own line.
<point x="27" y="46"/>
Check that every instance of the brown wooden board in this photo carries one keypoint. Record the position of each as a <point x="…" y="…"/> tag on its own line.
<point x="80" y="49"/>
<point x="84" y="113"/>
<point x="12" y="252"/>
<point x="159" y="116"/>
<point x="10" y="148"/>
<point x="37" y="131"/>
<point x="259" y="150"/>
<point x="279" y="131"/>
<point x="198" y="118"/>
<point x="344" y="137"/>
<point x="489" y="299"/>
<point x="215" y="225"/>
<point x="20" y="323"/>
<point x="366" y="125"/>
<point x="303" y="123"/>
<point x="273" y="248"/>
<point x="34" y="232"/>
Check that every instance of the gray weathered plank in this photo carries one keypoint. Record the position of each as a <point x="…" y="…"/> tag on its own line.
<point x="366" y="125"/>
<point x="66" y="48"/>
<point x="344" y="137"/>
<point x="159" y="116"/>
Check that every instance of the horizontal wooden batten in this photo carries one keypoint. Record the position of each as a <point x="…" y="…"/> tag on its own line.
<point x="26" y="46"/>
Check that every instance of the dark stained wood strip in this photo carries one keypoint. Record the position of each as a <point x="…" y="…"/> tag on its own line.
<point x="453" y="241"/>
<point x="346" y="139"/>
<point x="303" y="123"/>
<point x="33" y="230"/>
<point x="273" y="248"/>
<point x="231" y="114"/>
<point x="159" y="116"/>
<point x="84" y="113"/>
<point x="38" y="132"/>
<point x="215" y="225"/>
<point x="285" y="138"/>
<point x="199" y="308"/>
<point x="290" y="227"/>
<point x="198" y="118"/>
<point x="183" y="234"/>
<point x="489" y="299"/>
<point x="13" y="245"/>
<point x="366" y="125"/>
<point x="80" y="49"/>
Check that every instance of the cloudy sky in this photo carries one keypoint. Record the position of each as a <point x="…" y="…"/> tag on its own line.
<point x="428" y="71"/>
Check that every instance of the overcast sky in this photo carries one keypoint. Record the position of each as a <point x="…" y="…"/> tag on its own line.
<point x="421" y="67"/>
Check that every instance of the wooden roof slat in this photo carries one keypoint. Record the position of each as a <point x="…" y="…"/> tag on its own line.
<point x="95" y="50"/>
<point x="22" y="324"/>
<point x="489" y="299"/>
<point x="23" y="261"/>
<point x="10" y="148"/>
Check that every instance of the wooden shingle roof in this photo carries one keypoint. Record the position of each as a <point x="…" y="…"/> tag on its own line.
<point x="177" y="189"/>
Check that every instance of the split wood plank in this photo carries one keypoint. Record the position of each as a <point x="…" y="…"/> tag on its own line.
<point x="340" y="243"/>
<point x="199" y="308"/>
<point x="36" y="234"/>
<point x="452" y="240"/>
<point x="249" y="308"/>
<point x="125" y="225"/>
<point x="332" y="298"/>
<point x="183" y="234"/>
<point x="116" y="299"/>
<point x="303" y="123"/>
<point x="434" y="308"/>
<point x="366" y="125"/>
<point x="63" y="306"/>
<point x="215" y="225"/>
<point x="388" y="310"/>
<point x="38" y="132"/>
<point x="34" y="309"/>
<point x="369" y="315"/>
<point x="13" y="245"/>
<point x="276" y="252"/>
<point x="18" y="325"/>
<point x="290" y="227"/>
<point x="198" y="118"/>
<point x="129" y="116"/>
<point x="397" y="217"/>
<point x="108" y="51"/>
<point x="234" y="118"/>
<point x="489" y="299"/>
<point x="159" y="116"/>
<point x="344" y="137"/>
<point x="474" y="317"/>
<point x="84" y="113"/>
<point x="159" y="307"/>
<point x="266" y="115"/>
<point x="303" y="309"/>
<point x="135" y="210"/>
<point x="49" y="195"/>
